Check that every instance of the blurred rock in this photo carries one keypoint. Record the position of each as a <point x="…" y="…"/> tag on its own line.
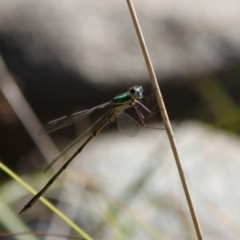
<point x="97" y="39"/>
<point x="141" y="173"/>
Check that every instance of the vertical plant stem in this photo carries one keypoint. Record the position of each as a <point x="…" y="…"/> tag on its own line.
<point x="165" y="117"/>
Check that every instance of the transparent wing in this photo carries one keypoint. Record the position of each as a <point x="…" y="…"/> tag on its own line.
<point x="106" y="115"/>
<point x="70" y="119"/>
<point x="127" y="125"/>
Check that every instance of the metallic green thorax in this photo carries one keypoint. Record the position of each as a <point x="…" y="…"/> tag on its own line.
<point x="128" y="99"/>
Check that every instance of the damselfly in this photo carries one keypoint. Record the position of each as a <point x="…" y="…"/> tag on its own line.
<point x="125" y="123"/>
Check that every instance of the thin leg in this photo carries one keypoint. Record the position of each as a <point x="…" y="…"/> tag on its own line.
<point x="139" y="112"/>
<point x="50" y="182"/>
<point x="153" y="112"/>
<point x="143" y="106"/>
<point x="142" y="121"/>
<point x="152" y="98"/>
<point x="140" y="115"/>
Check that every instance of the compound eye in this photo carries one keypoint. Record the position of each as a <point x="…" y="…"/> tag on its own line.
<point x="139" y="91"/>
<point x="132" y="90"/>
<point x="136" y="91"/>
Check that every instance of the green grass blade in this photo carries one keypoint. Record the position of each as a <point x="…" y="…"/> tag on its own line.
<point x="46" y="202"/>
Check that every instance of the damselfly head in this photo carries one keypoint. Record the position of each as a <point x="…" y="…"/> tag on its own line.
<point x="136" y="92"/>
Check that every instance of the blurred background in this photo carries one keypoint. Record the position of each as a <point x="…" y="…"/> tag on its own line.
<point x="59" y="57"/>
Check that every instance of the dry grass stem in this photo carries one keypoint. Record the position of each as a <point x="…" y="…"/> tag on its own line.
<point x="165" y="117"/>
